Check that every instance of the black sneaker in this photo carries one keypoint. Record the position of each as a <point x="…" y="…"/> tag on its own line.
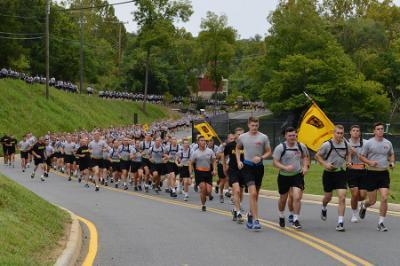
<point x="126" y="187"/>
<point x="135" y="188"/>
<point x="340" y="227"/>
<point x="111" y="180"/>
<point x="102" y="181"/>
<point x="173" y="194"/>
<point x="146" y="189"/>
<point x="87" y="185"/>
<point x="216" y="189"/>
<point x="246" y="190"/>
<point x="324" y="215"/>
<point x="33" y="175"/>
<point x="234" y="213"/>
<point x="296" y="225"/>
<point x="79" y="180"/>
<point x="116" y="185"/>
<point x="211" y="197"/>
<point x="46" y="174"/>
<point x="282" y="222"/>
<point x="221" y="199"/>
<point x="228" y="194"/>
<point x="203" y="208"/>
<point x="69" y="178"/>
<point x="23" y="170"/>
<point x="363" y="211"/>
<point x="97" y="188"/>
<point x="381" y="227"/>
<point x="140" y="188"/>
<point x="106" y="183"/>
<point x="240" y="219"/>
<point x="196" y="188"/>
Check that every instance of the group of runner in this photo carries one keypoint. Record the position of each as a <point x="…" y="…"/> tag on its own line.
<point x="149" y="159"/>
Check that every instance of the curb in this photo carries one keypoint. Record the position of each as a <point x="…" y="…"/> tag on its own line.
<point x="73" y="248"/>
<point x="318" y="198"/>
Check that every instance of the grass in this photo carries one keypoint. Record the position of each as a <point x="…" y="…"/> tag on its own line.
<point x="24" y="108"/>
<point x="313" y="181"/>
<point x="30" y="227"/>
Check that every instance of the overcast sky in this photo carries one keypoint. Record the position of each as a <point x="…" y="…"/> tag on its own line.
<point x="248" y="17"/>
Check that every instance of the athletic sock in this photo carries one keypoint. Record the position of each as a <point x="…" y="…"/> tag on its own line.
<point x="281" y="214"/>
<point x="295" y="217"/>
<point x="355" y="211"/>
<point x="323" y="208"/>
<point x="381" y="219"/>
<point x="340" y="219"/>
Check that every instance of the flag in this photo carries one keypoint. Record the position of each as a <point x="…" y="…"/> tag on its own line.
<point x="315" y="128"/>
<point x="206" y="130"/>
<point x="145" y="127"/>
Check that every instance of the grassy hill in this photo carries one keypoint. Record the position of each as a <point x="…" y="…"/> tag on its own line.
<point x="24" y="108"/>
<point x="30" y="227"/>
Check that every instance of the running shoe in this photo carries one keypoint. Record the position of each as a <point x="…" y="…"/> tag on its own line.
<point x="290" y="218"/>
<point x="203" y="208"/>
<point x="234" y="218"/>
<point x="381" y="227"/>
<point x="354" y="219"/>
<point x="240" y="219"/>
<point x="363" y="210"/>
<point x="221" y="199"/>
<point x="96" y="189"/>
<point x="340" y="227"/>
<point x="256" y="225"/>
<point x="324" y="215"/>
<point x="296" y="225"/>
<point x="282" y="222"/>
<point x="216" y="189"/>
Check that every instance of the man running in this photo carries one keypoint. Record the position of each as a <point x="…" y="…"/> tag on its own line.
<point x="145" y="145"/>
<point x="83" y="153"/>
<point x="157" y="157"/>
<point x="38" y="152"/>
<point x="333" y="155"/>
<point x="291" y="158"/>
<point x="182" y="161"/>
<point x="356" y="175"/>
<point x="69" y="156"/>
<point x="125" y="151"/>
<point x="203" y="158"/>
<point x="136" y="167"/>
<point x="172" y="169"/>
<point x="379" y="155"/>
<point x="24" y="148"/>
<point x="235" y="175"/>
<point x="97" y="146"/>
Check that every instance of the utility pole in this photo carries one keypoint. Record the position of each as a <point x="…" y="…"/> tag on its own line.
<point x="47" y="49"/>
<point x="81" y="50"/>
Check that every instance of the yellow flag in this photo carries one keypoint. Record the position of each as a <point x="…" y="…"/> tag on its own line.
<point x="315" y="128"/>
<point x="206" y="130"/>
<point x="145" y="127"/>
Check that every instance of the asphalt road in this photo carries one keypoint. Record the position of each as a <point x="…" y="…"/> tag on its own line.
<point x="149" y="229"/>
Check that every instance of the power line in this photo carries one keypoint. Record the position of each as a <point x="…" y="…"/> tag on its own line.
<point x="93" y="7"/>
<point x="12" y="33"/>
<point x="15" y="16"/>
<point x="21" y="38"/>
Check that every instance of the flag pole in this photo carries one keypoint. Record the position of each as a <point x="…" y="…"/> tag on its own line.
<point x="308" y="96"/>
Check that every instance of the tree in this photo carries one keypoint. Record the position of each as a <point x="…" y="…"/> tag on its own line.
<point x="155" y="19"/>
<point x="217" y="41"/>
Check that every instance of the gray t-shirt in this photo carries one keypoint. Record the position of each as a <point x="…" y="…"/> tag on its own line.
<point x="292" y="156"/>
<point x="253" y="145"/>
<point x="125" y="152"/>
<point x="184" y="156"/>
<point x="379" y="151"/>
<point x="172" y="151"/>
<point x="203" y="159"/>
<point x="145" y="146"/>
<point x="337" y="156"/>
<point x="156" y="154"/>
<point x="114" y="155"/>
<point x="24" y="145"/>
<point x="97" y="148"/>
<point x="358" y="148"/>
<point x="69" y="148"/>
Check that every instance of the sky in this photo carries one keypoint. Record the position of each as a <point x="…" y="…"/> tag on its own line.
<point x="248" y="17"/>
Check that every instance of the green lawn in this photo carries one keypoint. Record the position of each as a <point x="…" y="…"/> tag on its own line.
<point x="30" y="227"/>
<point x="24" y="108"/>
<point x="313" y="181"/>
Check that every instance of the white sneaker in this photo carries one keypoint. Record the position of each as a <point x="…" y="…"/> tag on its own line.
<point x="185" y="198"/>
<point x="354" y="219"/>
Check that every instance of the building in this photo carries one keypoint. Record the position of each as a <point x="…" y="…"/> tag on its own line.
<point x="206" y="87"/>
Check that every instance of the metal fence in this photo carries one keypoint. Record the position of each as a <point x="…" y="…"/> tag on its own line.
<point x="274" y="129"/>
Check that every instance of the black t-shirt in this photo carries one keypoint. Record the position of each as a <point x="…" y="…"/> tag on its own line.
<point x="230" y="150"/>
<point x="5" y="140"/>
<point x="83" y="150"/>
<point x="39" y="149"/>
<point x="13" y="142"/>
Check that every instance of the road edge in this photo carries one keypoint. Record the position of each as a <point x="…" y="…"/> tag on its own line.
<point x="73" y="248"/>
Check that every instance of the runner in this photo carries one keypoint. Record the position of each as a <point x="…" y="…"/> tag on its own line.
<point x="291" y="158"/>
<point x="145" y="145"/>
<point x="356" y="175"/>
<point x="69" y="155"/>
<point x="38" y="152"/>
<point x="182" y="161"/>
<point x="172" y="169"/>
<point x="136" y="167"/>
<point x="97" y="146"/>
<point x="83" y="153"/>
<point x="378" y="153"/>
<point x="256" y="148"/>
<point x="4" y="140"/>
<point x="49" y="156"/>
<point x="236" y="179"/>
<point x="157" y="157"/>
<point x="23" y="147"/>
<point x="13" y="147"/>
<point x="125" y="151"/>
<point x="115" y="159"/>
<point x="203" y="158"/>
<point x="333" y="155"/>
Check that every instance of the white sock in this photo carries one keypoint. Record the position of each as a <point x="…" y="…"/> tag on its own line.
<point x="340" y="219"/>
<point x="281" y="214"/>
<point x="290" y="213"/>
<point x="323" y="208"/>
<point x="355" y="211"/>
<point x="295" y="217"/>
<point x="381" y="218"/>
<point x="185" y="194"/>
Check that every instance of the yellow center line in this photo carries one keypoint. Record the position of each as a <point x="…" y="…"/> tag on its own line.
<point x="93" y="242"/>
<point x="329" y="249"/>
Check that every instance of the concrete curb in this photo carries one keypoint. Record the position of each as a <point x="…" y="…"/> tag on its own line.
<point x="73" y="248"/>
<point x="318" y="198"/>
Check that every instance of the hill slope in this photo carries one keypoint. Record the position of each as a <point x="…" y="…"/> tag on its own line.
<point x="24" y="108"/>
<point x="30" y="227"/>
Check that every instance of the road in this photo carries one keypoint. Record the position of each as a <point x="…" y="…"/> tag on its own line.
<point x="149" y="229"/>
<point x="246" y="114"/>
